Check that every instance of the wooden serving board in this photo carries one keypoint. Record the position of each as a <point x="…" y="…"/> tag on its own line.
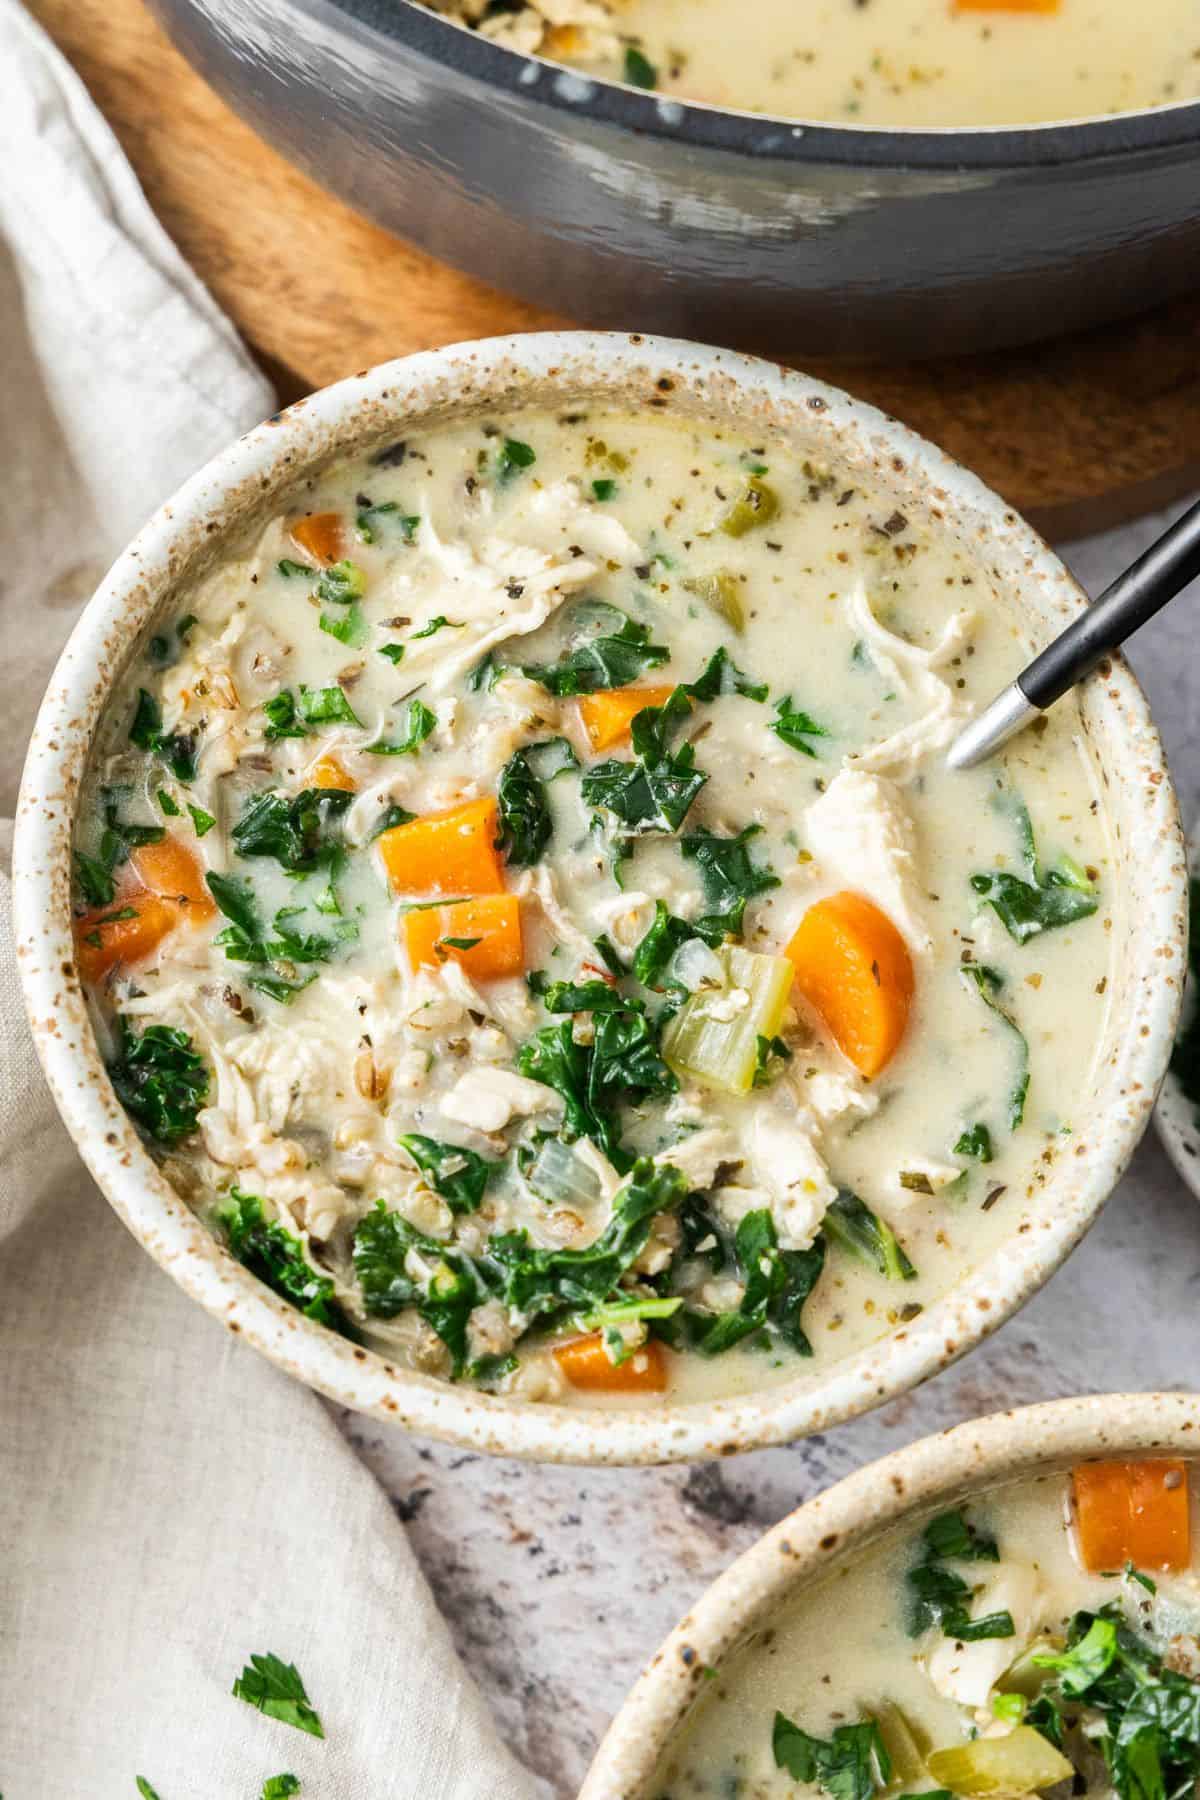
<point x="1081" y="433"/>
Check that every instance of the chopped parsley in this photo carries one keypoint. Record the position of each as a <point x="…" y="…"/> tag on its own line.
<point x="275" y="1688"/>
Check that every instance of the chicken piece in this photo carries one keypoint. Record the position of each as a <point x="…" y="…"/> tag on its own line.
<point x="487" y="1098"/>
<point x="861" y="834"/>
<point x="913" y="672"/>
<point x="967" y="1673"/>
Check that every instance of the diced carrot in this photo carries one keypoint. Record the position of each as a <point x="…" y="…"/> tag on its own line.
<point x="483" y="936"/>
<point x="103" y="938"/>
<point x="171" y="870"/>
<point x="1133" y="1512"/>
<point x="320" y="535"/>
<point x="451" y="852"/>
<point x="1017" y="6"/>
<point x="327" y="772"/>
<point x="586" y="1364"/>
<point x="608" y="715"/>
<point x="853" y="966"/>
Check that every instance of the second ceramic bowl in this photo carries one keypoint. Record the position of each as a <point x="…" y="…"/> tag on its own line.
<point x="556" y="370"/>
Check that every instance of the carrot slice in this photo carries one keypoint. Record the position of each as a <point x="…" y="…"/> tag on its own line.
<point x="483" y="936"/>
<point x="1017" y="6"/>
<point x="103" y="938"/>
<point x="586" y="1364"/>
<point x="327" y="772"/>
<point x="608" y="715"/>
<point x="451" y="852"/>
<point x="320" y="535"/>
<point x="173" y="872"/>
<point x="1133" y="1512"/>
<point x="853" y="966"/>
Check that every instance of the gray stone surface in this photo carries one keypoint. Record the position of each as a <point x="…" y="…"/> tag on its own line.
<point x="558" y="1583"/>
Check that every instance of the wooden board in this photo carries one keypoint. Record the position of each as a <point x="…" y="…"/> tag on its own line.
<point x="1080" y="433"/>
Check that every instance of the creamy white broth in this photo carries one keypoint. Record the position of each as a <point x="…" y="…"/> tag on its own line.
<point x="320" y="1058"/>
<point x="843" y="1651"/>
<point x="883" y="62"/>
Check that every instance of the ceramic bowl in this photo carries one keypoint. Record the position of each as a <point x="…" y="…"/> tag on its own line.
<point x="936" y="1472"/>
<point x="1177" y="1117"/>
<point x="251" y="478"/>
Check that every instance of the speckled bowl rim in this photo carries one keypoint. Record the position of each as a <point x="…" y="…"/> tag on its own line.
<point x="553" y="368"/>
<point x="935" y="1471"/>
<point x="1176" y="1118"/>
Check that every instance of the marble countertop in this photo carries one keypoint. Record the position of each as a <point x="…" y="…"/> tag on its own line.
<point x="558" y="1583"/>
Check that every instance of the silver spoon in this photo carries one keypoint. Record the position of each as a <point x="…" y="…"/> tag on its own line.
<point x="1135" y="596"/>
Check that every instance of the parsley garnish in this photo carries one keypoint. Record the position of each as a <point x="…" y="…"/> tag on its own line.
<point x="795" y="728"/>
<point x="275" y="1688"/>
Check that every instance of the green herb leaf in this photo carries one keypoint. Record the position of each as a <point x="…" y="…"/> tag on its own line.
<point x="730" y="877"/>
<point x="987" y="984"/>
<point x="302" y="834"/>
<point x="513" y="456"/>
<point x="279" y="1260"/>
<point x="168" y="805"/>
<point x="289" y="569"/>
<point x="94" y="879"/>
<point x="459" y="1176"/>
<point x="604" y="489"/>
<point x="851" y="1224"/>
<point x="665" y="936"/>
<point x="177" y="749"/>
<point x="144" y="1789"/>
<point x="160" y="1080"/>
<point x="938" y="1596"/>
<point x="280" y="712"/>
<point x="526" y="823"/>
<point x="655" y="792"/>
<point x="721" y="675"/>
<point x="393" y="652"/>
<point x="640" y="72"/>
<point x="419" y="721"/>
<point x="441" y="623"/>
<point x="951" y="1537"/>
<point x="777" y="1284"/>
<point x="851" y="1765"/>
<point x="388" y="819"/>
<point x="795" y="728"/>
<point x="340" y="584"/>
<point x="280" y="1787"/>
<point x="611" y="660"/>
<point x="326" y="706"/>
<point x="1047" y="898"/>
<point x="772" y="1054"/>
<point x="275" y="1688"/>
<point x="202" y="821"/>
<point x="976" y="1141"/>
<point x="348" y="626"/>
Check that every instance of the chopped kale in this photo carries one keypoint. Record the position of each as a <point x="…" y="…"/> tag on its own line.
<point x="938" y="1596"/>
<point x="388" y="819"/>
<point x="445" y="1298"/>
<point x="851" y="1765"/>
<point x="459" y="1176"/>
<point x="167" y="804"/>
<point x="160" y="1080"/>
<point x="369" y="515"/>
<point x="280" y="1787"/>
<point x="289" y="568"/>
<point x="729" y="875"/>
<point x="622" y="1063"/>
<point x="419" y="721"/>
<point x="1046" y="898"/>
<point x="852" y="1225"/>
<point x="656" y="791"/>
<point x="275" y="1688"/>
<point x="281" y="716"/>
<point x="665" y="936"/>
<point x="393" y="652"/>
<point x="202" y="821"/>
<point x="776" y="1285"/>
<point x="604" y="489"/>
<point x="94" y="880"/>
<point x="177" y="749"/>
<point x="772" y="1053"/>
<point x="341" y="584"/>
<point x="441" y="623"/>
<point x="987" y="984"/>
<point x="326" y="706"/>
<point x="348" y="627"/>
<point x="721" y="675"/>
<point x="277" y="1258"/>
<point x="1185" y="1061"/>
<point x="526" y="823"/>
<point x="611" y="660"/>
<point x="976" y="1141"/>
<point x="302" y="834"/>
<point x="512" y="457"/>
<point x="795" y="728"/>
<point x="640" y="72"/>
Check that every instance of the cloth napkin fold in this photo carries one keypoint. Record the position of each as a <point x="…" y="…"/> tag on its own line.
<point x="169" y="1502"/>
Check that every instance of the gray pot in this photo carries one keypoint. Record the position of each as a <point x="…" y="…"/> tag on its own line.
<point x="621" y="208"/>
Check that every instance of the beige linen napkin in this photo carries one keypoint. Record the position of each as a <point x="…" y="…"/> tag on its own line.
<point x="169" y="1503"/>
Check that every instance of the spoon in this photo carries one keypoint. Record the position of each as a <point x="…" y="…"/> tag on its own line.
<point x="1135" y="596"/>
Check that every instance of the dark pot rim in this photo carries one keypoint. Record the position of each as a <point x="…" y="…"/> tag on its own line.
<point x="553" y="88"/>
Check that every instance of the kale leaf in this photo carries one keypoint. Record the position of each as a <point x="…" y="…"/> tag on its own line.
<point x="459" y="1176"/>
<point x="987" y="984"/>
<point x="730" y="877"/>
<point x="177" y="749"/>
<point x="975" y="1140"/>
<point x="1047" y="898"/>
<point x="938" y="1596"/>
<point x="446" y="1300"/>
<point x="302" y="834"/>
<point x="795" y="728"/>
<point x="277" y="1258"/>
<point x="419" y="721"/>
<point x="777" y="1283"/>
<point x="656" y="791"/>
<point x="325" y="706"/>
<point x="622" y="1063"/>
<point x="851" y="1224"/>
<point x="665" y="936"/>
<point x="721" y="675"/>
<point x="850" y="1765"/>
<point x="282" y="718"/>
<point x="160" y="1080"/>
<point x="611" y="660"/>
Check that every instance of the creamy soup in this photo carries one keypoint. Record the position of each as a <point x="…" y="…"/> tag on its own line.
<point x="525" y="906"/>
<point x="873" y="62"/>
<point x="1044" y="1637"/>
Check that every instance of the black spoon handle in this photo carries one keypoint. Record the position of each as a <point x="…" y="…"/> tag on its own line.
<point x="1135" y="596"/>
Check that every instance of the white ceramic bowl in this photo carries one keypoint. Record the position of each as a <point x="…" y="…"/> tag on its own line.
<point x="934" y="1472"/>
<point x="250" y="478"/>
<point x="1176" y="1116"/>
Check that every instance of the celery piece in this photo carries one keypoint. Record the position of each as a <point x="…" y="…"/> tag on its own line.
<point x="1026" y="1676"/>
<point x="562" y="1178"/>
<point x="722" y="591"/>
<point x="714" y="1036"/>
<point x="756" y="505"/>
<point x="901" y="1743"/>
<point x="1013" y="1765"/>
